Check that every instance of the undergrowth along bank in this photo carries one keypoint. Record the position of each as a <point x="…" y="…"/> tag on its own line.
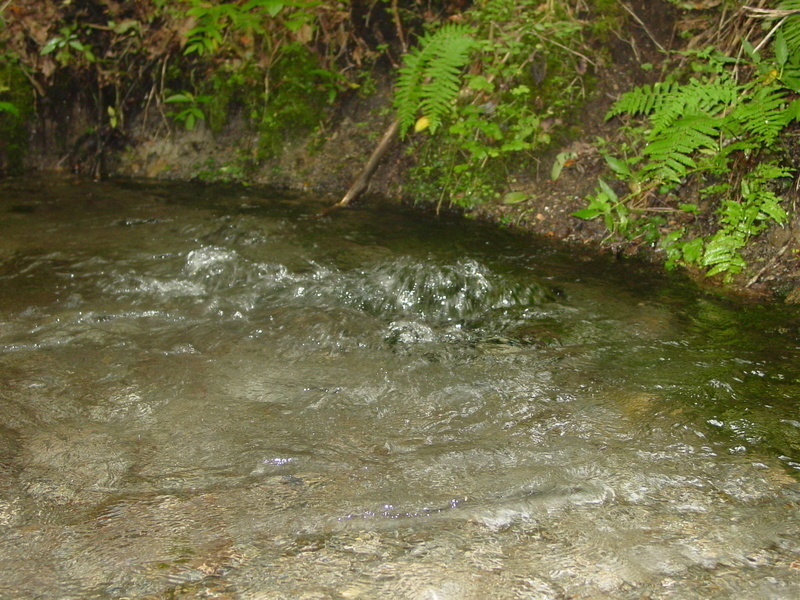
<point x="280" y="65"/>
<point x="284" y="65"/>
<point x="481" y="89"/>
<point x="485" y="94"/>
<point x="716" y="125"/>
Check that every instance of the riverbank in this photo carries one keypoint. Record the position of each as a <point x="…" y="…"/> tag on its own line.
<point x="329" y="157"/>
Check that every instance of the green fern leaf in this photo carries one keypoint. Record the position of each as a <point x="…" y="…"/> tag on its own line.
<point x="671" y="151"/>
<point x="643" y="100"/>
<point x="705" y="99"/>
<point x="722" y="254"/>
<point x="408" y="90"/>
<point x="671" y="109"/>
<point x="670" y="170"/>
<point x="714" y="96"/>
<point x="791" y="30"/>
<point x="431" y="76"/>
<point x="771" y="209"/>
<point x="763" y="114"/>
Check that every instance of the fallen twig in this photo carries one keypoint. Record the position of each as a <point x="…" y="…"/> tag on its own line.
<point x="636" y="18"/>
<point x="769" y="264"/>
<point x="369" y="169"/>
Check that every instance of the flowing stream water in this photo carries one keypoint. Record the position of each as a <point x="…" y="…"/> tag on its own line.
<point x="211" y="392"/>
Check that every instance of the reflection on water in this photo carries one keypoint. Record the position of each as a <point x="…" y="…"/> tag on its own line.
<point x="211" y="393"/>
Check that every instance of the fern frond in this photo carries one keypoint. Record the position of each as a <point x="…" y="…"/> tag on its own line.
<point x="721" y="253"/>
<point x="643" y="100"/>
<point x="430" y="77"/>
<point x="671" y="108"/>
<point x="712" y="96"/>
<point x="670" y="170"/>
<point x="791" y="26"/>
<point x="408" y="89"/>
<point x="763" y="114"/>
<point x="443" y="80"/>
<point x="671" y="152"/>
<point x="708" y="98"/>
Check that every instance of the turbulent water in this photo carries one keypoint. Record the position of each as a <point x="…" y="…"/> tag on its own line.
<point x="214" y="393"/>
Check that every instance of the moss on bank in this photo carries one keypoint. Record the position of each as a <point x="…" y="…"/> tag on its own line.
<point x="16" y="112"/>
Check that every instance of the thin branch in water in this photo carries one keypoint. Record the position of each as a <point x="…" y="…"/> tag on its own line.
<point x="368" y="171"/>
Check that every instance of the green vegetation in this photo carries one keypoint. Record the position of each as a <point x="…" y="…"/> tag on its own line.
<point x="430" y="78"/>
<point x="525" y="72"/>
<point x="277" y="64"/>
<point x="698" y="169"/>
<point x="15" y="109"/>
<point x="257" y="59"/>
<point x="718" y="127"/>
<point x="487" y="86"/>
<point x="190" y="111"/>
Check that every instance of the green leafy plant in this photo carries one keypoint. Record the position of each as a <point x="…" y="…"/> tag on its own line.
<point x="278" y="64"/>
<point x="717" y="130"/>
<point x="607" y="204"/>
<point x="8" y="107"/>
<point x="742" y="219"/>
<point x="212" y="172"/>
<point x="685" y="124"/>
<point x="430" y="79"/>
<point x="16" y="108"/>
<point x="191" y="111"/>
<point x="247" y="26"/>
<point x="482" y="124"/>
<point x="297" y="101"/>
<point x="257" y="60"/>
<point x="67" y="45"/>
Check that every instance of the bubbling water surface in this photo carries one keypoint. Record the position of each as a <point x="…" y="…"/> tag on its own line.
<point x="211" y="392"/>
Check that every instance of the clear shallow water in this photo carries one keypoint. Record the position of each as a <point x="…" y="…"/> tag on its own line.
<point x="212" y="393"/>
